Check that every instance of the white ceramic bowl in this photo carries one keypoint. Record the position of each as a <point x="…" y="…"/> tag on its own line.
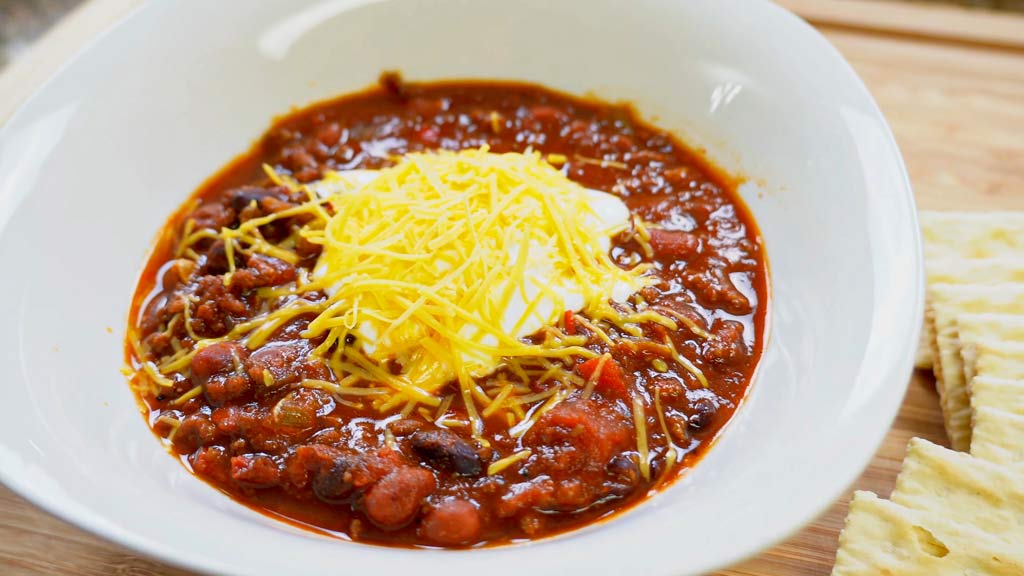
<point x="91" y="166"/>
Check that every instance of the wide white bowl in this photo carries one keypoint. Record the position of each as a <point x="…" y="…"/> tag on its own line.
<point x="92" y="165"/>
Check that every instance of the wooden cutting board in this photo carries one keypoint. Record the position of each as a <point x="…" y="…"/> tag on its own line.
<point x="951" y="83"/>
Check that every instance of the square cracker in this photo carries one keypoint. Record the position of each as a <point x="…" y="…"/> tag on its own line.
<point x="996" y="360"/>
<point x="962" y="488"/>
<point x="972" y="234"/>
<point x="882" y="538"/>
<point x="998" y="393"/>
<point x="1001" y="336"/>
<point x="998" y="436"/>
<point x="966" y="236"/>
<point x="960" y="271"/>
<point x="949" y="301"/>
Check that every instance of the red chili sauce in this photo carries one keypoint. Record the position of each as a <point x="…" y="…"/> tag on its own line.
<point x="329" y="463"/>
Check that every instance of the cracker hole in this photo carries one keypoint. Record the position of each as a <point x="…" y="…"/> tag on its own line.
<point x="929" y="543"/>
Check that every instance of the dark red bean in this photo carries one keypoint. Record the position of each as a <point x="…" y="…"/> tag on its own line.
<point x="217" y="358"/>
<point x="195" y="430"/>
<point x="272" y="365"/>
<point x="396" y="499"/>
<point x="217" y="369"/>
<point x="452" y="522"/>
<point x="213" y="216"/>
<point x="221" y="390"/>
<point x="262" y="271"/>
<point x="177" y="273"/>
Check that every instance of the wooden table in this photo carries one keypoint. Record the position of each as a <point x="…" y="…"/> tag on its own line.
<point x="951" y="83"/>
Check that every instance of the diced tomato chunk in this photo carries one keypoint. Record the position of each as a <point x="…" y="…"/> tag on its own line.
<point x="611" y="381"/>
<point x="570" y="323"/>
<point x="255" y="470"/>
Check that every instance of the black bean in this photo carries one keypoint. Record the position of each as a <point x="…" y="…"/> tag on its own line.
<point x="624" y="473"/>
<point x="704" y="413"/>
<point x="215" y="261"/>
<point x="446" y="451"/>
<point x="242" y="197"/>
<point x="330" y="483"/>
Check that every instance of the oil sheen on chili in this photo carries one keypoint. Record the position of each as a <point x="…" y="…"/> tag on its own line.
<point x="296" y="425"/>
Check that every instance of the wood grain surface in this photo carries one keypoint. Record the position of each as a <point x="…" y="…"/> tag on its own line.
<point x="950" y="82"/>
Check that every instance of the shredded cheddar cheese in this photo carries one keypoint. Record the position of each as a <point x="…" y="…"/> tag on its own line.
<point x="671" y="450"/>
<point x="425" y="263"/>
<point x="192" y="393"/>
<point x="640" y="422"/>
<point x="498" y="466"/>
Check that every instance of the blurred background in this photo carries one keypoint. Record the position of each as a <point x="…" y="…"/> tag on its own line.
<point x="22" y="21"/>
<point x="1017" y="5"/>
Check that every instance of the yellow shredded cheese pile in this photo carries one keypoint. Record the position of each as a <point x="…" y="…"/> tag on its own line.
<point x="446" y="261"/>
